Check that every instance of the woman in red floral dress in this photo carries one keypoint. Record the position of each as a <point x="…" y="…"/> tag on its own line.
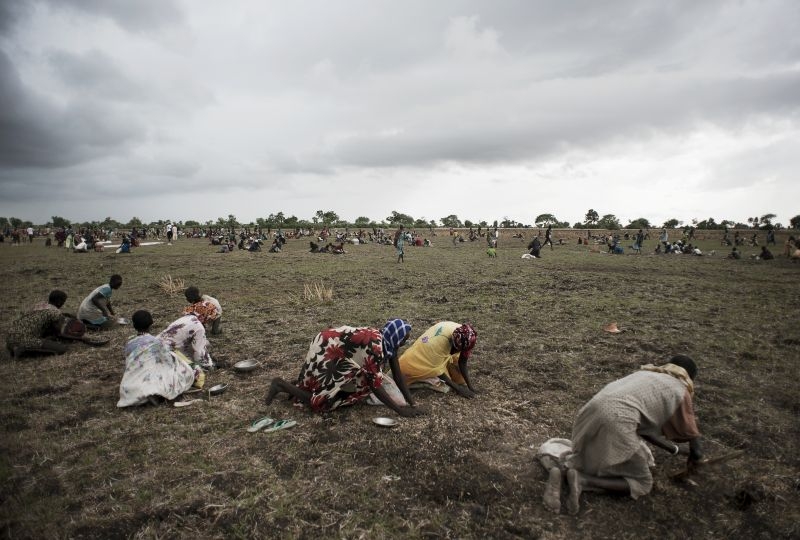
<point x="343" y="366"/>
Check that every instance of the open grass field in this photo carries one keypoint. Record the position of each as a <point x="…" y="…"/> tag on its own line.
<point x="72" y="465"/>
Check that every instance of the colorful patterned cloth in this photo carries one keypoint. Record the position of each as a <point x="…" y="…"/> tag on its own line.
<point x="188" y="335"/>
<point x="30" y="330"/>
<point x="394" y="334"/>
<point x="342" y="367"/>
<point x="203" y="310"/>
<point x="152" y="370"/>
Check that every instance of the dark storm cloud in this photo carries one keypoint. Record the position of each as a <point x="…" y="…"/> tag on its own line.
<point x="34" y="132"/>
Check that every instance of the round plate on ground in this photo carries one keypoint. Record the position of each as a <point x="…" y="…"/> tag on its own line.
<point x="122" y="320"/>
<point x="217" y="389"/>
<point x="245" y="365"/>
<point x="384" y="421"/>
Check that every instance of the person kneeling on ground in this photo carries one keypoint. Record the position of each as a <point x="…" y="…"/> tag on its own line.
<point x="187" y="334"/>
<point x="34" y="333"/>
<point x="152" y="371"/>
<point x="609" y="452"/>
<point x="765" y="255"/>
<point x="535" y="247"/>
<point x="343" y="366"/>
<point x="442" y="352"/>
<point x="199" y="304"/>
<point x="95" y="310"/>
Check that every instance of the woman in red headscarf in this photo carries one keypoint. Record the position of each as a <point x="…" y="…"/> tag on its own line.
<point x="442" y="352"/>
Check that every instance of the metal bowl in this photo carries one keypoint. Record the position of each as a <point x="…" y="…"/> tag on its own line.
<point x="384" y="421"/>
<point x="217" y="389"/>
<point x="245" y="365"/>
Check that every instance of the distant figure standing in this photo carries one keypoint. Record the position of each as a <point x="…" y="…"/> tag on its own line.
<point x="169" y="233"/>
<point x="399" y="242"/>
<point x="664" y="238"/>
<point x="638" y="241"/>
<point x="30" y="234"/>
<point x="492" y="237"/>
<point x="771" y="237"/>
<point x="548" y="237"/>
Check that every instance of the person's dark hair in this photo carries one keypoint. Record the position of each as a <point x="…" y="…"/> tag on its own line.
<point x="116" y="279"/>
<point x="192" y="294"/>
<point x="142" y="320"/>
<point x="686" y="363"/>
<point x="57" y="298"/>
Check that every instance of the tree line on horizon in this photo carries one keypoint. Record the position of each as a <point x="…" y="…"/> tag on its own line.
<point x="592" y="220"/>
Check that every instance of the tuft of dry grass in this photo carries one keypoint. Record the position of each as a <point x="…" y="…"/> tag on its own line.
<point x="171" y="286"/>
<point x="317" y="291"/>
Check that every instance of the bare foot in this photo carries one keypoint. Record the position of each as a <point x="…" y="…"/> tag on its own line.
<point x="552" y="493"/>
<point x="574" y="500"/>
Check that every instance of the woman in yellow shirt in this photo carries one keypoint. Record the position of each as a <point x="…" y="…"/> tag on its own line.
<point x="442" y="352"/>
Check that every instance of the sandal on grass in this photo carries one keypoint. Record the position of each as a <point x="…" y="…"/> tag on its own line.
<point x="280" y="424"/>
<point x="259" y="424"/>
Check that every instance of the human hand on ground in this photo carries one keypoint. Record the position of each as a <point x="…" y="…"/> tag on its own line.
<point x="409" y="412"/>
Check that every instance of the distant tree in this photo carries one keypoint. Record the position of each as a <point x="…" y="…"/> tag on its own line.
<point x="57" y="221"/>
<point x="330" y="217"/>
<point x="726" y="223"/>
<point x="672" y="223"/>
<point x="482" y="223"/>
<point x="362" y="221"/>
<point x="110" y="223"/>
<point x="3" y="221"/>
<point x="468" y="223"/>
<point x="261" y="222"/>
<point x="794" y="222"/>
<point x="579" y="225"/>
<point x="766" y="220"/>
<point x="319" y="215"/>
<point x="709" y="224"/>
<point x="291" y="221"/>
<point x="15" y="222"/>
<point x="609" y="221"/>
<point x="134" y="222"/>
<point x="451" y="221"/>
<point x="432" y="224"/>
<point x="399" y="219"/>
<point x="420" y="222"/>
<point x="191" y="223"/>
<point x="543" y="220"/>
<point x="231" y="222"/>
<point x="592" y="217"/>
<point x="638" y="223"/>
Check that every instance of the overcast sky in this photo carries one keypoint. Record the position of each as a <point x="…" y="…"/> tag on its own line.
<point x="196" y="109"/>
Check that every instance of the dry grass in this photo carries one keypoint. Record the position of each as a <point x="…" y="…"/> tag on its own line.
<point x="73" y="465"/>
<point x="171" y="286"/>
<point x="318" y="292"/>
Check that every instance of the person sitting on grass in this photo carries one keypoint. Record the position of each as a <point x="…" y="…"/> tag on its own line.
<point x="765" y="255"/>
<point x="95" y="310"/>
<point x="734" y="254"/>
<point x="609" y="453"/>
<point x="152" y="371"/>
<point x="36" y="331"/>
<point x="535" y="247"/>
<point x="442" y="353"/>
<point x="343" y="366"/>
<point x="203" y="303"/>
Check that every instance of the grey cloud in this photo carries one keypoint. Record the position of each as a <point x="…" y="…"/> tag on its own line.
<point x="95" y="72"/>
<point x="136" y="16"/>
<point x="36" y="133"/>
